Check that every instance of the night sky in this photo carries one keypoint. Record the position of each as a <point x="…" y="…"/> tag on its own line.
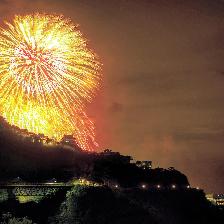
<point x="162" y="95"/>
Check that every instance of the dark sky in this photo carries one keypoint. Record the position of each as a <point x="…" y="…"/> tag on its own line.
<point x="163" y="77"/>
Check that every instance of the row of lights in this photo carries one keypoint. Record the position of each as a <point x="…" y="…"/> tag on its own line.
<point x="173" y="186"/>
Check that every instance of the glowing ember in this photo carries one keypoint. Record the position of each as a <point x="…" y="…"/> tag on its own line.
<point x="47" y="75"/>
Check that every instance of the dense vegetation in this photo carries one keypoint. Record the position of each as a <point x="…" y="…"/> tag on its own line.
<point x="89" y="205"/>
<point x="103" y="205"/>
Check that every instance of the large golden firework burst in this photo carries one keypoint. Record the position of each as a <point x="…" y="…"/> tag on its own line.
<point x="47" y="75"/>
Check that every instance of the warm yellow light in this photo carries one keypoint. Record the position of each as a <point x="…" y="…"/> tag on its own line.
<point x="47" y="75"/>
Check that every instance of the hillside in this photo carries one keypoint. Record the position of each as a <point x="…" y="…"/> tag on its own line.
<point x="36" y="162"/>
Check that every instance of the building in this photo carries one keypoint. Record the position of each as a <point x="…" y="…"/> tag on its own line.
<point x="109" y="154"/>
<point x="219" y="199"/>
<point x="216" y="199"/>
<point x="69" y="140"/>
<point x="147" y="164"/>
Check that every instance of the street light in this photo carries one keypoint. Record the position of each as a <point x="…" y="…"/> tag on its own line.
<point x="173" y="186"/>
<point x="143" y="186"/>
<point x="158" y="186"/>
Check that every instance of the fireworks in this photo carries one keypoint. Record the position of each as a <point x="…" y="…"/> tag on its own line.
<point x="47" y="76"/>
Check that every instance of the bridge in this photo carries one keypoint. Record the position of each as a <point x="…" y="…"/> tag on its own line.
<point x="45" y="189"/>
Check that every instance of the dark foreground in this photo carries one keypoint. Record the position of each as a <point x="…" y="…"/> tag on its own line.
<point x="85" y="204"/>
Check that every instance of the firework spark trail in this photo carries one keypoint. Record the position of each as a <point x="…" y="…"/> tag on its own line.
<point x="47" y="75"/>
